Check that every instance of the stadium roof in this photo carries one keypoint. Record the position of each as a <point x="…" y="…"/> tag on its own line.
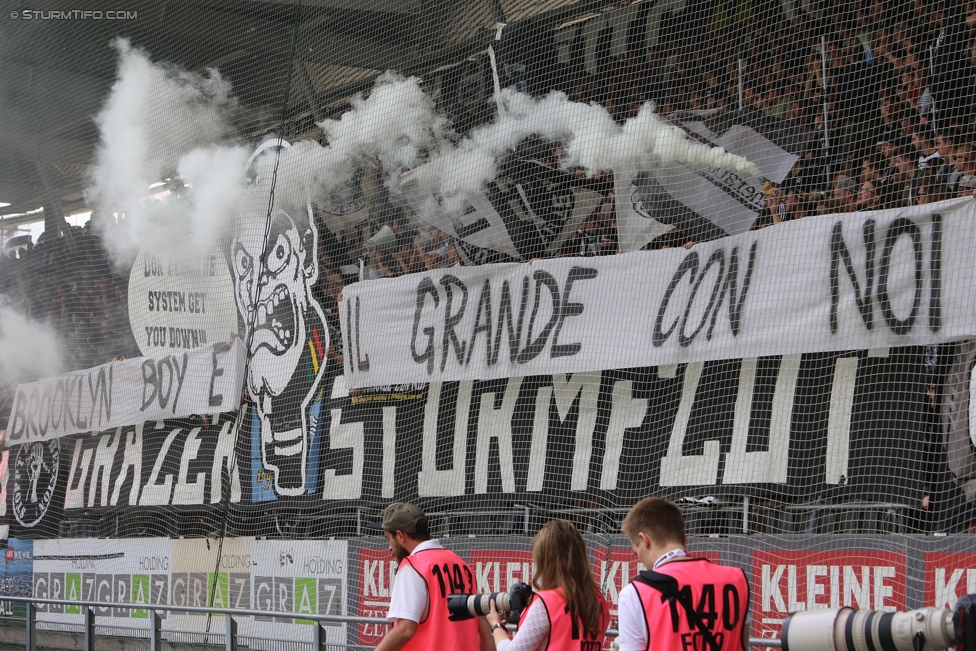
<point x="56" y="69"/>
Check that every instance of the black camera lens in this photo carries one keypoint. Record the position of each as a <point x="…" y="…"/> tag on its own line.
<point x="457" y="605"/>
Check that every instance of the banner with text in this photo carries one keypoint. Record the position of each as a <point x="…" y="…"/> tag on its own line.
<point x="243" y="573"/>
<point x="853" y="422"/>
<point x="150" y="467"/>
<point x="297" y="576"/>
<point x="111" y="571"/>
<point x="16" y="576"/>
<point x="203" y="380"/>
<point x="949" y="576"/>
<point x="863" y="280"/>
<point x="786" y="574"/>
<point x="789" y="581"/>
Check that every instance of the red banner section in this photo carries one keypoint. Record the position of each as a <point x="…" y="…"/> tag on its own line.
<point x="782" y="581"/>
<point x="378" y="571"/>
<point x="948" y="577"/>
<point x="785" y="582"/>
<point x="497" y="570"/>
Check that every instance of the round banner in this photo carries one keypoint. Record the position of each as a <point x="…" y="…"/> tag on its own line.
<point x="180" y="304"/>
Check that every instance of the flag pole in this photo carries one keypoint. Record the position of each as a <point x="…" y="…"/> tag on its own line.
<point x="741" y="94"/>
<point x="823" y="82"/>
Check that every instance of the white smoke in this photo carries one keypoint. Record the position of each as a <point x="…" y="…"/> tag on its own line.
<point x="398" y="127"/>
<point x="590" y="137"/>
<point x="395" y="126"/>
<point x="28" y="350"/>
<point x="216" y="175"/>
<point x="160" y="121"/>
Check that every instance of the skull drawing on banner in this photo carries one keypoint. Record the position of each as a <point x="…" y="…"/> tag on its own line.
<point x="275" y="267"/>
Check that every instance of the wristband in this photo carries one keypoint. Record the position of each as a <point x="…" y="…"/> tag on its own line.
<point x="501" y="626"/>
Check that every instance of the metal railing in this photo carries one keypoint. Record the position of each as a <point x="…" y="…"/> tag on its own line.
<point x="743" y="522"/>
<point x="154" y="630"/>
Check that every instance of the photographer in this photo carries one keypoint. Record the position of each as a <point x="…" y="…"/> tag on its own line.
<point x="568" y="612"/>
<point x="418" y="603"/>
<point x="714" y="599"/>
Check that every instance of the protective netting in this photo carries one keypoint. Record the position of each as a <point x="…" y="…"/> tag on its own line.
<point x="510" y="260"/>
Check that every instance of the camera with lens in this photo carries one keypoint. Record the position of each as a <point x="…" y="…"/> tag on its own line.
<point x="467" y="606"/>
<point x="846" y="629"/>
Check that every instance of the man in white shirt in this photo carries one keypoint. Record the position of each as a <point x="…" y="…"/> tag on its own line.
<point x="426" y="576"/>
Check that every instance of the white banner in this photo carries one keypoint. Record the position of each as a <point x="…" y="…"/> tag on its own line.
<point x="829" y="283"/>
<point x="296" y="576"/>
<point x="113" y="571"/>
<point x="180" y="303"/>
<point x="209" y="572"/>
<point x="299" y="576"/>
<point x="204" y="380"/>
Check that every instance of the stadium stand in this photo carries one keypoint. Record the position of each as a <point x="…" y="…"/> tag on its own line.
<point x="870" y="102"/>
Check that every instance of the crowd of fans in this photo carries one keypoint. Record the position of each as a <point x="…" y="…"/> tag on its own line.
<point x="886" y="87"/>
<point x="71" y="285"/>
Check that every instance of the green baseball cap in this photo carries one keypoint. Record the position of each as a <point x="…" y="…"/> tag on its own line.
<point x="402" y="516"/>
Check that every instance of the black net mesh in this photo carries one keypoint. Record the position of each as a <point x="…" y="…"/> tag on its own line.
<point x="269" y="266"/>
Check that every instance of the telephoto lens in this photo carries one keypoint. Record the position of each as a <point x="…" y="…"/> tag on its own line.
<point x="466" y="606"/>
<point x="846" y="629"/>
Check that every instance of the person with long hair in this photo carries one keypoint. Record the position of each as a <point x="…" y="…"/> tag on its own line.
<point x="568" y="611"/>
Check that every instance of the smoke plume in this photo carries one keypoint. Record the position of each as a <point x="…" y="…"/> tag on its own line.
<point x="160" y="121"/>
<point x="394" y="127"/>
<point x="28" y="350"/>
<point x="398" y="127"/>
<point x="590" y="137"/>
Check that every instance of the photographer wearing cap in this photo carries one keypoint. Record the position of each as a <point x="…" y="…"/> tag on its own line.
<point x="427" y="573"/>
<point x="681" y="602"/>
<point x="568" y="613"/>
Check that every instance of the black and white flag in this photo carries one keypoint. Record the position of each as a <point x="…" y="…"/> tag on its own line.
<point x="479" y="225"/>
<point x="726" y="199"/>
<point x="637" y="196"/>
<point x="530" y="211"/>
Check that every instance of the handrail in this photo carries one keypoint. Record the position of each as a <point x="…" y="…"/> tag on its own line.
<point x="247" y="612"/>
<point x="856" y="506"/>
<point x="525" y="511"/>
<point x="737" y="506"/>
